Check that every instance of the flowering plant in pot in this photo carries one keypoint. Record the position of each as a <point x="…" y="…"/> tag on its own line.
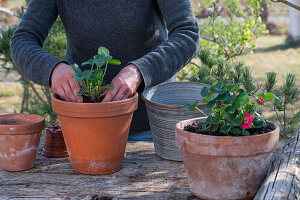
<point x="226" y="154"/>
<point x="95" y="133"/>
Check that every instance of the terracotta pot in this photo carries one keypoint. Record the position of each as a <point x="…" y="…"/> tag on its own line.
<point x="19" y="139"/>
<point x="54" y="144"/>
<point x="95" y="133"/>
<point x="225" y="167"/>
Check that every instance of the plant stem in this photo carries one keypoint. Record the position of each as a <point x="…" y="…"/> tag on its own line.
<point x="201" y="111"/>
<point x="105" y="69"/>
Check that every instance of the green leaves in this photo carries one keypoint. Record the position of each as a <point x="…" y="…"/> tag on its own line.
<point x="225" y="128"/>
<point x="211" y="104"/>
<point x="229" y="104"/>
<point x="238" y="120"/>
<point x="204" y="91"/>
<point x="241" y="99"/>
<point x="235" y="131"/>
<point x="92" y="80"/>
<point x="103" y="51"/>
<point x="114" y="62"/>
<point x="190" y="106"/>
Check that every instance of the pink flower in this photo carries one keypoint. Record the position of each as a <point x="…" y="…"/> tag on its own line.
<point x="260" y="101"/>
<point x="247" y="121"/>
<point x="236" y="93"/>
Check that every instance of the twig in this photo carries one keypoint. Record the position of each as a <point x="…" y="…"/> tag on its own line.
<point x="287" y="3"/>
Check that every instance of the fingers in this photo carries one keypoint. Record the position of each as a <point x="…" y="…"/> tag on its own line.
<point x="111" y="93"/>
<point x="75" y="89"/>
<point x="125" y="84"/>
<point x="126" y="96"/>
<point x="63" y="83"/>
<point x="121" y="93"/>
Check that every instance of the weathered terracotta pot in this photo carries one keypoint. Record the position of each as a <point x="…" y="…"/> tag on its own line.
<point x="54" y="143"/>
<point x="225" y="167"/>
<point x="95" y="133"/>
<point x="19" y="139"/>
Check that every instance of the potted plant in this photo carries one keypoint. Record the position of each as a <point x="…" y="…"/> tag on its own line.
<point x="19" y="140"/>
<point x="95" y="133"/>
<point x="226" y="154"/>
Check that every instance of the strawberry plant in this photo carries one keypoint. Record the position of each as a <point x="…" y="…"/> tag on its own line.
<point x="233" y="110"/>
<point x="92" y="86"/>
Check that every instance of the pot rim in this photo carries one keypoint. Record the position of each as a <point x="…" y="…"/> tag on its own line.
<point x="239" y="146"/>
<point x="34" y="124"/>
<point x="54" y="96"/>
<point x="200" y="105"/>
<point x="92" y="110"/>
<point x="223" y="137"/>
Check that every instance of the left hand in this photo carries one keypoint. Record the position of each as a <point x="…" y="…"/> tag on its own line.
<point x="124" y="84"/>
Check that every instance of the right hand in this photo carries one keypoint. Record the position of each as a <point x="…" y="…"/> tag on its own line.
<point x="63" y="84"/>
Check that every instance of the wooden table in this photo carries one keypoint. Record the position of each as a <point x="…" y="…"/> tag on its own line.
<point x="144" y="176"/>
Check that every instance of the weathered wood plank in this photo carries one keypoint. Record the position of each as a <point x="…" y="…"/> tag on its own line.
<point x="283" y="181"/>
<point x="144" y="176"/>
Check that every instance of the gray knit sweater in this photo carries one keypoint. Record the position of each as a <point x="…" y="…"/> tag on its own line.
<point x="135" y="31"/>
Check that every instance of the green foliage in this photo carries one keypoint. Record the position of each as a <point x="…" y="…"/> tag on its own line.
<point x="233" y="32"/>
<point x="233" y="110"/>
<point x="215" y="69"/>
<point x="36" y="99"/>
<point x="286" y="114"/>
<point x="93" y="86"/>
<point x="5" y="36"/>
<point x="237" y="73"/>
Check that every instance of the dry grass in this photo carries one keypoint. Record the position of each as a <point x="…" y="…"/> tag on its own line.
<point x="271" y="54"/>
<point x="10" y="97"/>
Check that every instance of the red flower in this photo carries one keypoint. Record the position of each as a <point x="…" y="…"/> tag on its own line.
<point x="247" y="121"/>
<point x="261" y="101"/>
<point x="236" y="93"/>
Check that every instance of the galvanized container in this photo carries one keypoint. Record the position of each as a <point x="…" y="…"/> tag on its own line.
<point x="164" y="104"/>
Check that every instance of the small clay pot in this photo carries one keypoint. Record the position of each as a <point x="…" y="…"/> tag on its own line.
<point x="54" y="144"/>
<point x="19" y="139"/>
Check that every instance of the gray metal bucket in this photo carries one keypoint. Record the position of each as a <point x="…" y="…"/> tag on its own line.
<point x="164" y="104"/>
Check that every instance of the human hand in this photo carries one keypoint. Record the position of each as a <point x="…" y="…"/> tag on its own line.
<point x="124" y="84"/>
<point x="63" y="84"/>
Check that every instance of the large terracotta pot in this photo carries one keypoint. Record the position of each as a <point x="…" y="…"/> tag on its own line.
<point x="225" y="167"/>
<point x="95" y="133"/>
<point x="19" y="139"/>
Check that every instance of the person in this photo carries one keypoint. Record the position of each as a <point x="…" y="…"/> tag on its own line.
<point x="154" y="39"/>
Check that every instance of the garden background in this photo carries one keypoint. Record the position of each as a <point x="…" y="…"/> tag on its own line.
<point x="274" y="51"/>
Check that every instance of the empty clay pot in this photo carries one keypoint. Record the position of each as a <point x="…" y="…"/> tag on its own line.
<point x="19" y="140"/>
<point x="225" y="167"/>
<point x="95" y="133"/>
<point x="54" y="143"/>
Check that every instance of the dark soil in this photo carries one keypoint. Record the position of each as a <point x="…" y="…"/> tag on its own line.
<point x="85" y="99"/>
<point x="12" y="122"/>
<point x="88" y="100"/>
<point x="196" y="128"/>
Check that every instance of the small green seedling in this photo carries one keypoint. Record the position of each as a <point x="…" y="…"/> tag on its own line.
<point x="91" y="82"/>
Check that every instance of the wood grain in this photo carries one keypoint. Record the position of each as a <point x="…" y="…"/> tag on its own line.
<point x="144" y="176"/>
<point x="283" y="181"/>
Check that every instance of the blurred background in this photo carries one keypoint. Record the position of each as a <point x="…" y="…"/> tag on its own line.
<point x="241" y="41"/>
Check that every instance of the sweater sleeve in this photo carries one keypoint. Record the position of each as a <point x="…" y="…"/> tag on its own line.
<point x="181" y="46"/>
<point x="27" y="42"/>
